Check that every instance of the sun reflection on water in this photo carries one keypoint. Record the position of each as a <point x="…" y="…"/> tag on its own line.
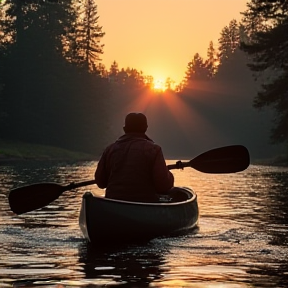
<point x="241" y="240"/>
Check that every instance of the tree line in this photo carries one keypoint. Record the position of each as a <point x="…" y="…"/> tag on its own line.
<point x="54" y="89"/>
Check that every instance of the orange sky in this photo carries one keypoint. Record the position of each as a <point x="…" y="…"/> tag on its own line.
<point x="160" y="37"/>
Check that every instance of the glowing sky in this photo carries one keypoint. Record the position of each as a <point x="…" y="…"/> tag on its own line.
<point x="160" y="37"/>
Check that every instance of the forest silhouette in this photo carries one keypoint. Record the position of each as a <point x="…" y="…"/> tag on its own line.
<point x="55" y="91"/>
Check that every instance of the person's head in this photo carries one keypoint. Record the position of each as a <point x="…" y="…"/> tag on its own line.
<point x="135" y="123"/>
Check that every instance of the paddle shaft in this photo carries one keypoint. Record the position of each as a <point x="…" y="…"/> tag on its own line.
<point x="227" y="159"/>
<point x="179" y="165"/>
<point x="77" y="185"/>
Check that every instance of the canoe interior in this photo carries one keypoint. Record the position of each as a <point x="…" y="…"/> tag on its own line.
<point x="112" y="221"/>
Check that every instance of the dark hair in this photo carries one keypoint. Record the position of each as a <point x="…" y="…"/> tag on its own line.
<point x="135" y="122"/>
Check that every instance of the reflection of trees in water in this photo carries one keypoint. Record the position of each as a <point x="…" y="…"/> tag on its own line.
<point x="277" y="203"/>
<point x="270" y="275"/>
<point x="267" y="202"/>
<point x="276" y="224"/>
<point x="22" y="173"/>
<point x="270" y="196"/>
<point x="132" y="265"/>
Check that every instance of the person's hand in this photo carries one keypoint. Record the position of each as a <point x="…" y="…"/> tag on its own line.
<point x="179" y="165"/>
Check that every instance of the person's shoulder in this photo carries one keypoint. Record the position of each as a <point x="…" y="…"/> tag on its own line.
<point x="151" y="144"/>
<point x="109" y="147"/>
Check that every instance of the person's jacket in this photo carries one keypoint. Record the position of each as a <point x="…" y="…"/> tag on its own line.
<point x="133" y="168"/>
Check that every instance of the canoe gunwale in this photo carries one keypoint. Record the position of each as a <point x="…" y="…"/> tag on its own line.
<point x="191" y="194"/>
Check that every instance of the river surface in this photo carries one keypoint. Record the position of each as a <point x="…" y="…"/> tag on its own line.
<point x="241" y="239"/>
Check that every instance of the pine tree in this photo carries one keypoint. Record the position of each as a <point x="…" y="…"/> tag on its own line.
<point x="169" y="83"/>
<point x="268" y="48"/>
<point x="229" y="40"/>
<point x="113" y="72"/>
<point x="212" y="60"/>
<point x="28" y="63"/>
<point x="135" y="78"/>
<point x="84" y="47"/>
<point x="43" y="95"/>
<point x="196" y="69"/>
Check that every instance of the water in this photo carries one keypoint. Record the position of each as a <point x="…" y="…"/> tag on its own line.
<point x="241" y="239"/>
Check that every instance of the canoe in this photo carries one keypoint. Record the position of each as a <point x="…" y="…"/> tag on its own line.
<point x="104" y="220"/>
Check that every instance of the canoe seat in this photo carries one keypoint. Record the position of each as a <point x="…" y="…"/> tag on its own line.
<point x="177" y="194"/>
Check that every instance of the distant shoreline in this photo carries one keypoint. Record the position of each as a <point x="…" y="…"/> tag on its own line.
<point x="41" y="159"/>
<point x="281" y="162"/>
<point x="17" y="151"/>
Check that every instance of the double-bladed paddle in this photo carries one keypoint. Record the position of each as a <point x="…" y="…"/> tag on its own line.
<point x="227" y="159"/>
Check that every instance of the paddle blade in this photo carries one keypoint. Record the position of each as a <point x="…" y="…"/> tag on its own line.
<point x="32" y="197"/>
<point x="228" y="159"/>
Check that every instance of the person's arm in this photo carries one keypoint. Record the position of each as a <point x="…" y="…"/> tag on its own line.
<point x="100" y="175"/>
<point x="163" y="178"/>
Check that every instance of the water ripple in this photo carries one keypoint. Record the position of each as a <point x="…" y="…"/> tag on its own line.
<point x="241" y="240"/>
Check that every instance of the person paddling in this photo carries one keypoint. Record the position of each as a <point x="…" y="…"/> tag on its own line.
<point x="133" y="168"/>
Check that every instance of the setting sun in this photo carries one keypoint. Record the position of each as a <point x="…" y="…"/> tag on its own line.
<point x="159" y="85"/>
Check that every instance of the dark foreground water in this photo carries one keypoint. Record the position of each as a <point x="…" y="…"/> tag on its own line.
<point x="241" y="240"/>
